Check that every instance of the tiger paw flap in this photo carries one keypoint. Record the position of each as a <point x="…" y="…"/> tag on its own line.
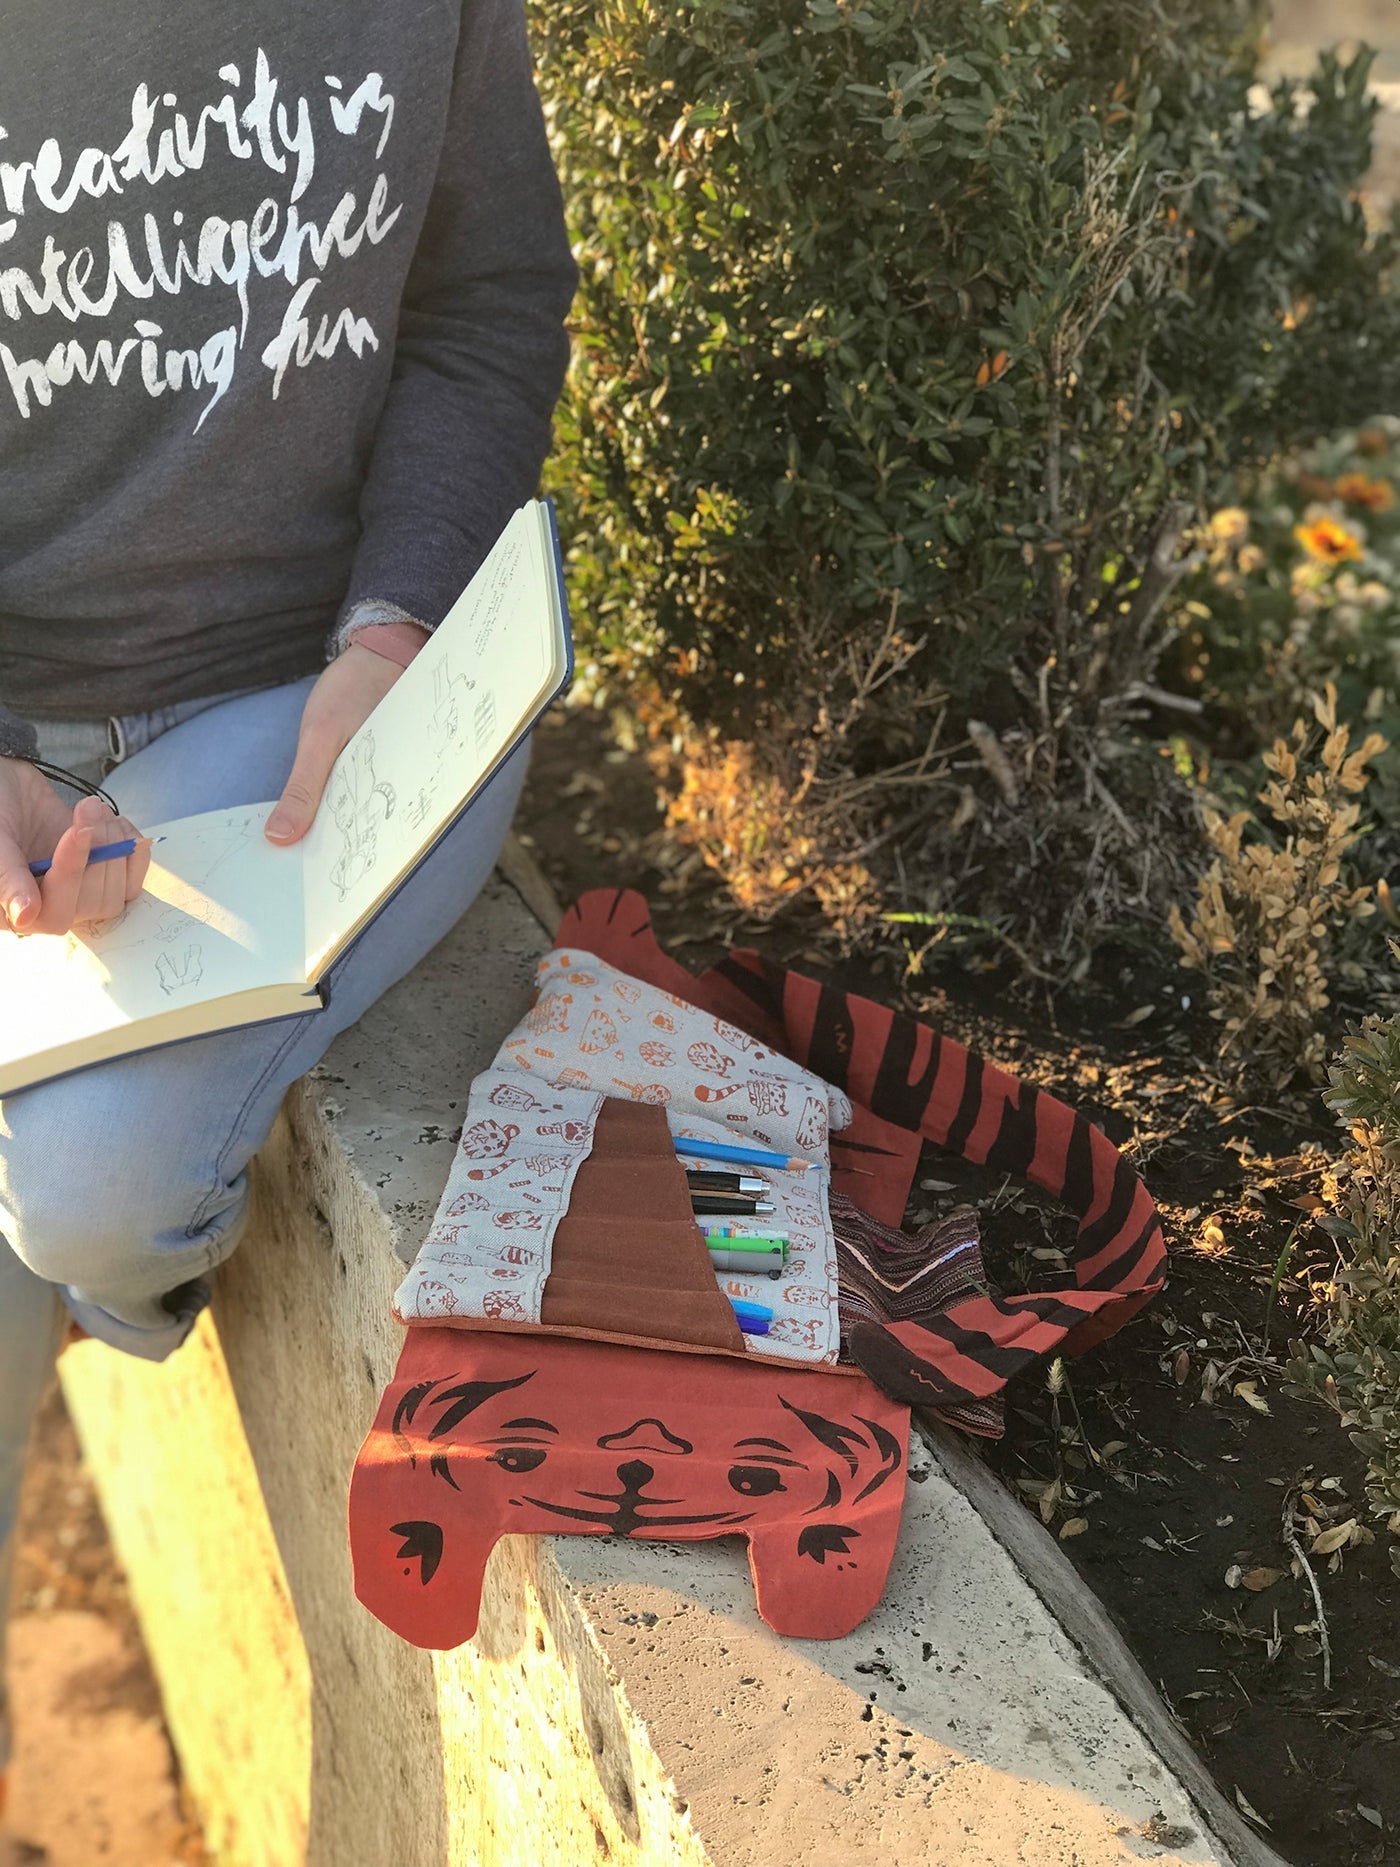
<point x="482" y="1435"/>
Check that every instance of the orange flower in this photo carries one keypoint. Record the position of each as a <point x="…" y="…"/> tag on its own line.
<point x="1328" y="541"/>
<point x="1359" y="489"/>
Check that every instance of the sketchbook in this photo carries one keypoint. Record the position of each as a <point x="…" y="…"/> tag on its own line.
<point x="232" y="930"/>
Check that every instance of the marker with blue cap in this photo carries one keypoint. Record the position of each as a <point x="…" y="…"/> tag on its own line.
<point x="754" y="1318"/>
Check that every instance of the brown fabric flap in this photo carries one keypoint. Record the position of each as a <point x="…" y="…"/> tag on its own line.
<point x="628" y="1257"/>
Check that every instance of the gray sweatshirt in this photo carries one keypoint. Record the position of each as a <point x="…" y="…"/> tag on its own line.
<point x="282" y="301"/>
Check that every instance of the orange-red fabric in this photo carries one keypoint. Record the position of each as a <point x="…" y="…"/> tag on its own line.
<point x="908" y="1084"/>
<point x="482" y="1435"/>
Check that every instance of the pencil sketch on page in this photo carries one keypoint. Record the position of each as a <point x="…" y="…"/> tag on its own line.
<point x="449" y="706"/>
<point x="484" y="719"/>
<point x="447" y="727"/>
<point x="360" y="803"/>
<point x="179" y="975"/>
<point x="195" y="909"/>
<point x="233" y="840"/>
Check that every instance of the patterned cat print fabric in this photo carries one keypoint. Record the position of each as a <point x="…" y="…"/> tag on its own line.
<point x="488" y="1252"/>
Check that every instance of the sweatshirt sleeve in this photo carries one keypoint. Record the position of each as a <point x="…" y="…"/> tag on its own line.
<point x="481" y="348"/>
<point x="17" y="739"/>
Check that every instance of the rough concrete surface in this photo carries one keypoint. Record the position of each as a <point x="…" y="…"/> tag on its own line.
<point x="623" y="1702"/>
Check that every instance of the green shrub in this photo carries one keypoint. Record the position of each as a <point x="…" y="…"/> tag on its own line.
<point x="909" y="341"/>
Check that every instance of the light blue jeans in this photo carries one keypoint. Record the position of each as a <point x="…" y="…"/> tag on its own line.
<point x="122" y="1187"/>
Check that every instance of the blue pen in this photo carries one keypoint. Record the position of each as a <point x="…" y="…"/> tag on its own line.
<point x="754" y="1318"/>
<point x="105" y="852"/>
<point x="748" y="1156"/>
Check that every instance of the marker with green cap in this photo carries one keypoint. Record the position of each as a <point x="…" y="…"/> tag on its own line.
<point x="749" y="1244"/>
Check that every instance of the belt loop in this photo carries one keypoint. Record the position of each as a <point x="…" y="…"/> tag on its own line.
<point x="116" y="742"/>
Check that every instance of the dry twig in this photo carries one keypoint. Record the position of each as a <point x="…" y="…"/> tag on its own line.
<point x="1290" y="1537"/>
<point x="993" y="755"/>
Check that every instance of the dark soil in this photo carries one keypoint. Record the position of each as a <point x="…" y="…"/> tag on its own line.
<point x="1167" y="1486"/>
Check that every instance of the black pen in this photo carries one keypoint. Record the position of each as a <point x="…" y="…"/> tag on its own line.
<point x="712" y="1180"/>
<point x="721" y="1205"/>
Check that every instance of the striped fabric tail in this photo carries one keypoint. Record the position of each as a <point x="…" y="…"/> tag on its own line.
<point x="911" y="1077"/>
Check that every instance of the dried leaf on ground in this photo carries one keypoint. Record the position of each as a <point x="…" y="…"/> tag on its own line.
<point x="1333" y="1539"/>
<point x="1247" y="1809"/>
<point x="1257" y="1580"/>
<point x="1246" y="1391"/>
<point x="1140" y="1016"/>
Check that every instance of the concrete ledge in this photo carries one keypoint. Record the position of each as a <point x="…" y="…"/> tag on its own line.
<point x="622" y="1701"/>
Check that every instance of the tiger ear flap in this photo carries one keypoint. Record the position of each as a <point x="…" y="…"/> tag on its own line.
<point x="419" y="1560"/>
<point x="819" y="1580"/>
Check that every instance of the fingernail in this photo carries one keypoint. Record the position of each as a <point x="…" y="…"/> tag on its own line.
<point x="278" y="825"/>
<point x="16" y="910"/>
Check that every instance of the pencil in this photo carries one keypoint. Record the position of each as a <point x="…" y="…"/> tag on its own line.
<point x="105" y="852"/>
<point x="745" y="1156"/>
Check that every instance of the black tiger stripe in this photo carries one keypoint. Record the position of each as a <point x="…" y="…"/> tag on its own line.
<point x="969" y="1107"/>
<point x="975" y="1345"/>
<point x="897" y="1097"/>
<point x="1116" y="1215"/>
<point x="833" y="1038"/>
<point x="1013" y="1150"/>
<point x="903" y="1374"/>
<point x="1123" y="1268"/>
<point x="618" y="898"/>
<point x="761" y="985"/>
<point x="1078" y="1188"/>
<point x="1005" y="1359"/>
<point x="1055" y="1310"/>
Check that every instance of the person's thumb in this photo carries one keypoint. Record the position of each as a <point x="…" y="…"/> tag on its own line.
<point x="295" y="810"/>
<point x="19" y="892"/>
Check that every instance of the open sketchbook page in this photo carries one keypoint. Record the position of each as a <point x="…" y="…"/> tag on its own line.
<point x="438" y="731"/>
<point x="221" y="914"/>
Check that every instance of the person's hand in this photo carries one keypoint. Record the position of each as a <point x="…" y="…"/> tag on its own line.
<point x="35" y="823"/>
<point x="336" y="708"/>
